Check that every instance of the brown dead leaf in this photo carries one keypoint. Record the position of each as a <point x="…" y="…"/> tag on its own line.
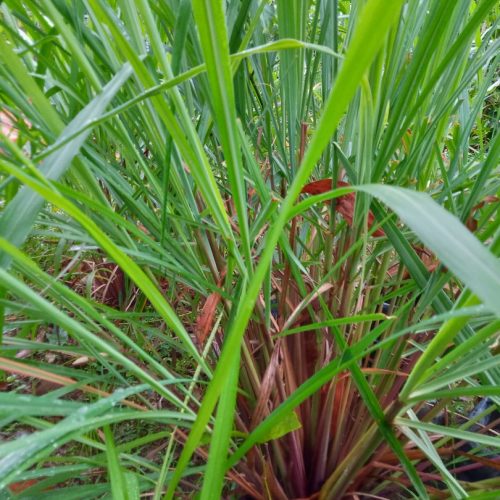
<point x="312" y="300"/>
<point x="81" y="361"/>
<point x="20" y="486"/>
<point x="471" y="222"/>
<point x="275" y="488"/>
<point x="109" y="284"/>
<point x="107" y="280"/>
<point x="206" y="318"/>
<point x="266" y="386"/>
<point x="344" y="204"/>
<point x="430" y="261"/>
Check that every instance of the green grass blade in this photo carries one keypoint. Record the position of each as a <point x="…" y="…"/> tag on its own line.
<point x="115" y="471"/>
<point x="210" y="20"/>
<point x="474" y="437"/>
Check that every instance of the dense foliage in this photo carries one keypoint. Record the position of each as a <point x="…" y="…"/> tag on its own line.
<point x="249" y="249"/>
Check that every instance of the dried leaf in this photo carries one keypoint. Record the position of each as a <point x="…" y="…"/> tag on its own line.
<point x="20" y="486"/>
<point x="344" y="204"/>
<point x="322" y="186"/>
<point x="272" y="483"/>
<point x="205" y="320"/>
<point x="81" y="361"/>
<point x="471" y="222"/>
<point x="312" y="300"/>
<point x="266" y="386"/>
<point x="108" y="286"/>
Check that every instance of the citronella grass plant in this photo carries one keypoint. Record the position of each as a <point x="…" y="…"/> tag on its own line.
<point x="186" y="311"/>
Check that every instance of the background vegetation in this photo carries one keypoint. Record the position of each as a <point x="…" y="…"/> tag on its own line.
<point x="249" y="249"/>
